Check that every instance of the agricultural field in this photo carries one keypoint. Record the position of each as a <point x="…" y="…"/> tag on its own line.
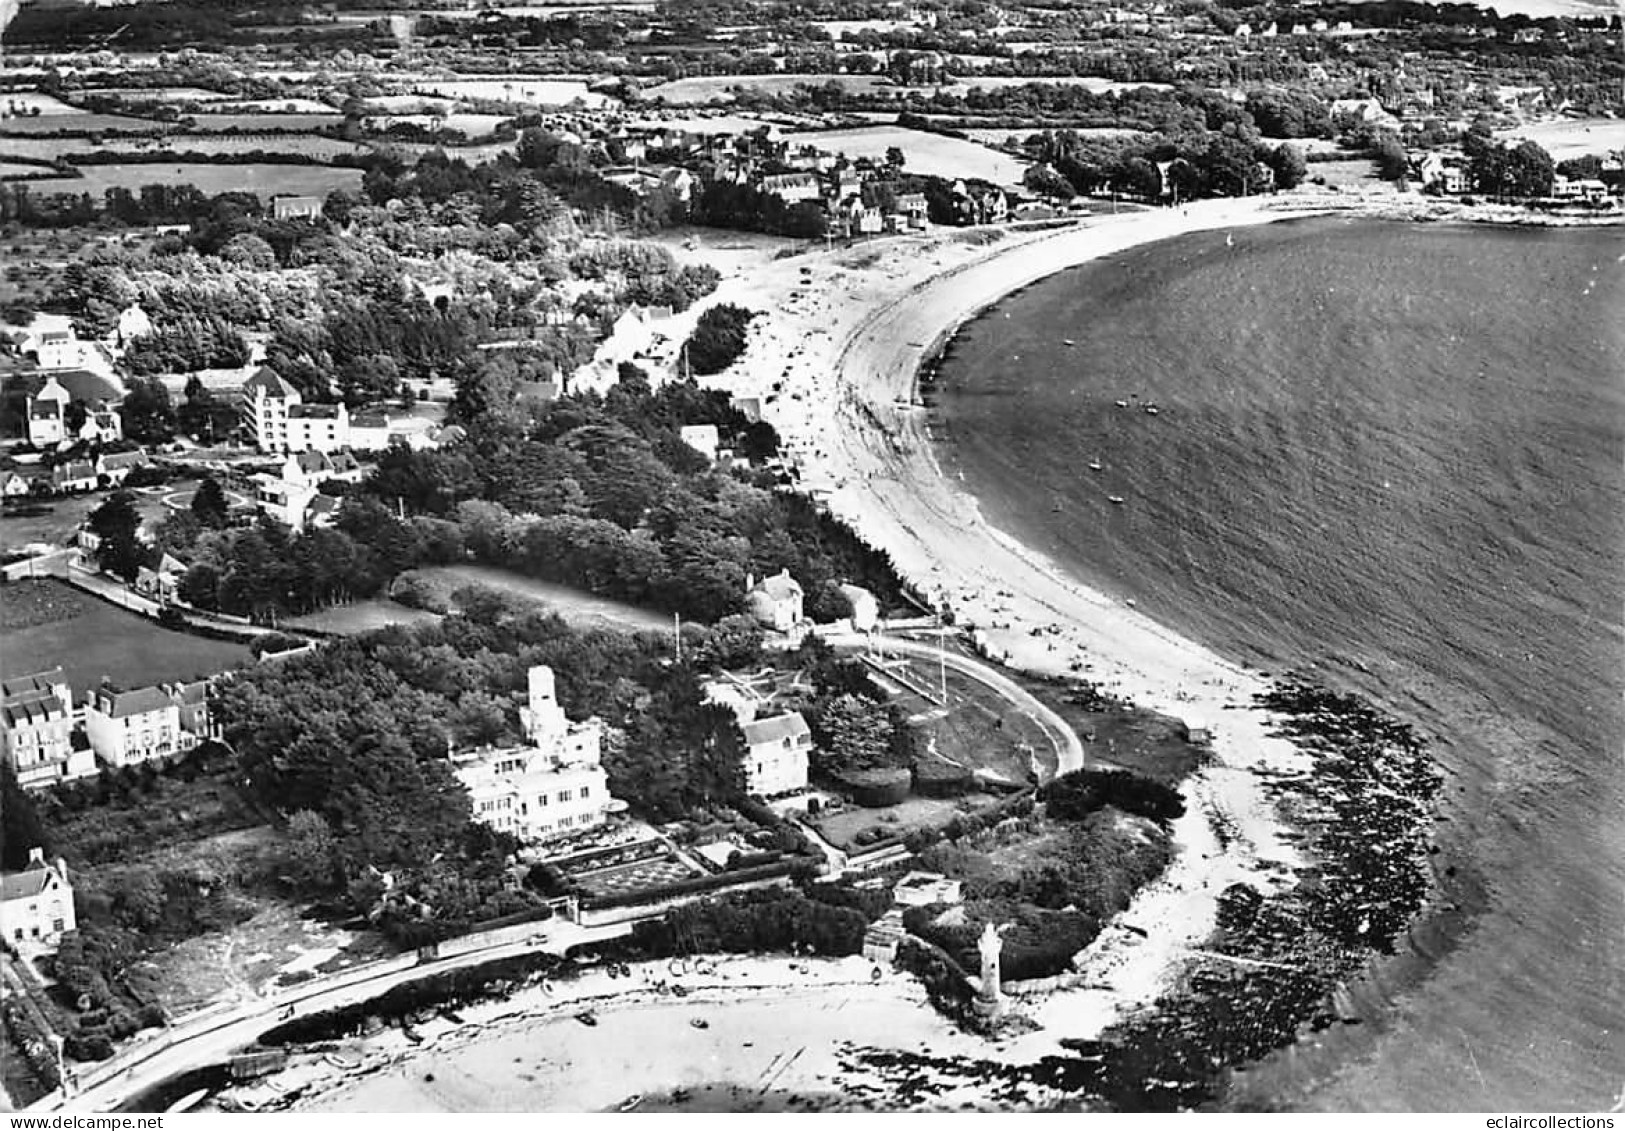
<point x="1092" y="84"/>
<point x="702" y="124"/>
<point x="57" y="624"/>
<point x="361" y="616"/>
<point x="263" y="180"/>
<point x="722" y="88"/>
<point x="274" y="106"/>
<point x="162" y="93"/>
<point x="924" y="153"/>
<point x="249" y="123"/>
<point x="1573" y="138"/>
<point x="10" y="170"/>
<point x="30" y="102"/>
<point x="519" y="89"/>
<point x="79" y="122"/>
<point x="324" y="148"/>
<point x="469" y="125"/>
<point x="52" y="148"/>
<point x="1358" y="173"/>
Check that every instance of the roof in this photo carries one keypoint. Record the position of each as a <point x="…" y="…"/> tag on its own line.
<point x="343" y="461"/>
<point x="776" y="729"/>
<point x="83" y="385"/>
<point x="314" y="411"/>
<point x="193" y="694"/>
<point x="169" y="563"/>
<point x="781" y="586"/>
<point x="74" y="469"/>
<point x="32" y="707"/>
<point x="25" y="884"/>
<point x="312" y="461"/>
<point x="120" y="460"/>
<point x="325" y="504"/>
<point x="37" y="681"/>
<point x="369" y="420"/>
<point x="268" y="379"/>
<point x="40" y="409"/>
<point x="121" y="704"/>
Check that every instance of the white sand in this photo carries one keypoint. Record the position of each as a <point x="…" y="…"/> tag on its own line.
<point x="844" y="344"/>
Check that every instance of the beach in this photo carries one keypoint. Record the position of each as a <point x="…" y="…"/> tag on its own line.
<point x="836" y="363"/>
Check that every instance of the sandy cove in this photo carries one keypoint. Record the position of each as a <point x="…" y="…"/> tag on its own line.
<point x="845" y="343"/>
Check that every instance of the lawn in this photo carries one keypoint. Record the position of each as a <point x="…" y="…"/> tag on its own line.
<point x="361" y="616"/>
<point x="843" y="827"/>
<point x="1122" y="737"/>
<point x="269" y="122"/>
<point x="263" y="180"/>
<point x="1567" y="139"/>
<point x="325" y="148"/>
<point x="924" y="153"/>
<point x="1091" y="84"/>
<point x="56" y="624"/>
<point x="518" y="89"/>
<point x="79" y="123"/>
<point x="67" y="514"/>
<point x="581" y="609"/>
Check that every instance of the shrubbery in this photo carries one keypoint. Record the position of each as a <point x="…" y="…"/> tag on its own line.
<point x="1073" y="796"/>
<point x="753" y="922"/>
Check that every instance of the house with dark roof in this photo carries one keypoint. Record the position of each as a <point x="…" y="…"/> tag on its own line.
<point x="36" y="905"/>
<point x="36" y="730"/>
<point x="75" y="475"/>
<point x="266" y="401"/>
<point x="192" y="706"/>
<point x="163" y="583"/>
<point x="126" y="727"/>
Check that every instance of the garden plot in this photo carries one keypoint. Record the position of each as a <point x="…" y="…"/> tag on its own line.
<point x="263" y="180"/>
<point x="923" y="153"/>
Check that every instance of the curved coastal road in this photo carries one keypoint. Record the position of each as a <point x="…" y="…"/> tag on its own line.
<point x="212" y="1037"/>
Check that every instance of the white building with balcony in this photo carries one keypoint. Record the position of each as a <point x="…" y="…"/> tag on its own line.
<point x="552" y="787"/>
<point x="36" y="730"/>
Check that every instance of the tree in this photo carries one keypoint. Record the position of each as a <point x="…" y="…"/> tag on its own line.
<point x="310" y="852"/>
<point x="209" y="503"/>
<point x="853" y="733"/>
<point x="1288" y="164"/>
<point x="1045" y="181"/>
<point x="718" y="338"/>
<point x="148" y="415"/>
<point x="116" y="522"/>
<point x="23" y="830"/>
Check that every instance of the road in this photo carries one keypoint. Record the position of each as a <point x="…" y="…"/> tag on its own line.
<point x="211" y="1037"/>
<point x="1068" y="747"/>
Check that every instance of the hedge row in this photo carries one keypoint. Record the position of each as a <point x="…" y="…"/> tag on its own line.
<point x="800" y="867"/>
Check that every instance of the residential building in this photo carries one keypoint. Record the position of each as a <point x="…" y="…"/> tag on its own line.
<point x="554" y="786"/>
<point x="703" y="438"/>
<point x="75" y="353"/>
<point x="294" y="496"/>
<point x="776" y="754"/>
<point x="133" y="323"/>
<point x="36" y="730"/>
<point x="923" y="889"/>
<point x="792" y="187"/>
<point x="163" y="583"/>
<point x="41" y="328"/>
<point x="12" y="485"/>
<point x="126" y="727"/>
<point x="36" y="905"/>
<point x="266" y="400"/>
<point x="318" y="427"/>
<point x="865" y="609"/>
<point x="775" y="602"/>
<point x="192" y="712"/>
<point x="296" y="207"/>
<point x="116" y="468"/>
<point x="75" y="475"/>
<point x="47" y="414"/>
<point x="884" y="936"/>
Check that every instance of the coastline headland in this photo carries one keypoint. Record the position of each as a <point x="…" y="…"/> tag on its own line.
<point x="849" y="352"/>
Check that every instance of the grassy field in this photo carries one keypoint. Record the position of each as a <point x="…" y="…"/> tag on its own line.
<point x="91" y="639"/>
<point x="1093" y="85"/>
<point x="923" y="153"/>
<point x="842" y="828"/>
<point x="68" y="513"/>
<point x="583" y="610"/>
<point x="720" y="88"/>
<point x="204" y="123"/>
<point x="164" y="94"/>
<point x="263" y="180"/>
<point x="1357" y="172"/>
<point x="79" y="123"/>
<point x="28" y="101"/>
<point x="325" y="148"/>
<point x="361" y="616"/>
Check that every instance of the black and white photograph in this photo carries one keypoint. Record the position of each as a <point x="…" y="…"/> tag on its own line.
<point x="812" y="556"/>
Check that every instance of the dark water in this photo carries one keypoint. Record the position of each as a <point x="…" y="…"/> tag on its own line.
<point x="1397" y="451"/>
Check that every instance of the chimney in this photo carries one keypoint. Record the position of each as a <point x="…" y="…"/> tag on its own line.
<point x="36" y="858"/>
<point x="750" y="581"/>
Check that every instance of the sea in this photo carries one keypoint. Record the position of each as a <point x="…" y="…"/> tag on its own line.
<point x="1391" y="455"/>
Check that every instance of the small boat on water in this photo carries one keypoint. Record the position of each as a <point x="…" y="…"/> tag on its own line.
<point x="1122" y="404"/>
<point x="1095" y="466"/>
<point x="629" y="1103"/>
<point x="587" y="1017"/>
<point x="1069" y="341"/>
<point x="699" y="1023"/>
<point x="1115" y="500"/>
<point x="1151" y="410"/>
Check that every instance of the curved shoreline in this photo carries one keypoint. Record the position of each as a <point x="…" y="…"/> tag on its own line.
<point x="859" y="437"/>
